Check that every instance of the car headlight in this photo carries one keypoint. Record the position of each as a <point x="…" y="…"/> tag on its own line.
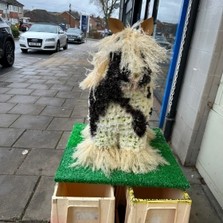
<point x="22" y="38"/>
<point x="51" y="40"/>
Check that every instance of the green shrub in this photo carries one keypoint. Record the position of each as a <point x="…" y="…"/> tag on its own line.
<point x="15" y="31"/>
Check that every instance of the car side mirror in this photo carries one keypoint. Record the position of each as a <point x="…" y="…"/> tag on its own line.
<point x="61" y="32"/>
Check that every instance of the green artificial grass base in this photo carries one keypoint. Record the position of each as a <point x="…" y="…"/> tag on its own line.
<point x="168" y="176"/>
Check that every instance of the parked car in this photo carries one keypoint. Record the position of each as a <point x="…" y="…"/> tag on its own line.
<point x="75" y="35"/>
<point x="43" y="37"/>
<point x="7" y="45"/>
<point x="23" y="27"/>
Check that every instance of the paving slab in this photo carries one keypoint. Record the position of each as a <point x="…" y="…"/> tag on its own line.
<point x="5" y="107"/>
<point x="50" y="101"/>
<point x="8" y="136"/>
<point x="20" y="91"/>
<point x="63" y="124"/>
<point x="62" y="87"/>
<point x="40" y="86"/>
<point x="64" y="139"/>
<point x="69" y="94"/>
<point x="19" y="85"/>
<point x="27" y="109"/>
<point x="201" y="210"/>
<point x="56" y="111"/>
<point x="40" y="204"/>
<point x="23" y="99"/>
<point x="46" y="93"/>
<point x="38" y="122"/>
<point x="5" y="97"/>
<point x="53" y="81"/>
<point x="38" y="139"/>
<point x="40" y="162"/>
<point x="3" y="89"/>
<point x="10" y="159"/>
<point x="36" y="81"/>
<point x="7" y="119"/>
<point x="15" y="192"/>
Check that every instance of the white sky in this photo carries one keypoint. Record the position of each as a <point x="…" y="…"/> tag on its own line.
<point x="169" y="10"/>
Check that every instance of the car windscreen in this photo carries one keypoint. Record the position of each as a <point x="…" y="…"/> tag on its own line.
<point x="43" y="28"/>
<point x="75" y="31"/>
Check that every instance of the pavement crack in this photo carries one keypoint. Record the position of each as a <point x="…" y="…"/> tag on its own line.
<point x="31" y="196"/>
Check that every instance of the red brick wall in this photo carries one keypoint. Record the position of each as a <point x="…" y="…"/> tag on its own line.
<point x="13" y="15"/>
<point x="70" y="20"/>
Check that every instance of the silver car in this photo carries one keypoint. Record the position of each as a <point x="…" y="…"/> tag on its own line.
<point x="43" y="37"/>
<point x="75" y="35"/>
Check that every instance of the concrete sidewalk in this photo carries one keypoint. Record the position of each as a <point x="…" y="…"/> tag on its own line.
<point x="38" y="107"/>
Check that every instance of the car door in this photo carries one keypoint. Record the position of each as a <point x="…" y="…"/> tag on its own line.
<point x="62" y="37"/>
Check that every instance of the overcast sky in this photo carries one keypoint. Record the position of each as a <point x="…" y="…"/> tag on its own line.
<point x="169" y="11"/>
<point x="83" y="6"/>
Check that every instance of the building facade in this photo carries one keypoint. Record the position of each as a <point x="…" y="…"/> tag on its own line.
<point x="11" y="10"/>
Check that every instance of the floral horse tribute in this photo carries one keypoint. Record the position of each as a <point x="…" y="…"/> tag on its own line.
<point x="120" y="101"/>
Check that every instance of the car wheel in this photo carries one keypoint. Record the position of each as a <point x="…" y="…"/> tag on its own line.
<point x="24" y="50"/>
<point x="57" y="47"/>
<point x="66" y="46"/>
<point x="9" y="54"/>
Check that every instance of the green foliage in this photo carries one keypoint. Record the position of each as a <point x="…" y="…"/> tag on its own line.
<point x="15" y="31"/>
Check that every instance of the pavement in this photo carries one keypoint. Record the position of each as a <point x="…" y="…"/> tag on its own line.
<point x="38" y="106"/>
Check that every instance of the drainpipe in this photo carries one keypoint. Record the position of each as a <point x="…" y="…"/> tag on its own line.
<point x="176" y="49"/>
<point x="180" y="71"/>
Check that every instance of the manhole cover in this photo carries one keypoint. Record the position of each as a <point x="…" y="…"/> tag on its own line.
<point x="4" y="84"/>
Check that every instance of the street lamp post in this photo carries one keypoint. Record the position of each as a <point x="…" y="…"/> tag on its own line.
<point x="70" y="15"/>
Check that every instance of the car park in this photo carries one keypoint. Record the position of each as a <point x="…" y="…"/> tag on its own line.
<point x="75" y="35"/>
<point x="7" y="45"/>
<point x="43" y="36"/>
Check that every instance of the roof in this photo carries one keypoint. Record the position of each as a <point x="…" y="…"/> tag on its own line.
<point x="39" y="15"/>
<point x="12" y="2"/>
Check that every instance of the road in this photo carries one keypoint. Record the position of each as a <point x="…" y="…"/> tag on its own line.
<point x="26" y="59"/>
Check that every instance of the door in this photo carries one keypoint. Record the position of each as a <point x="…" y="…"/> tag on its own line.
<point x="210" y="159"/>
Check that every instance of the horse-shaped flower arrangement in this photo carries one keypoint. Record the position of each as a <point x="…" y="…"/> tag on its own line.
<point x="120" y="102"/>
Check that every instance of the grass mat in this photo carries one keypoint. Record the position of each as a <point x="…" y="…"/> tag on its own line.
<point x="170" y="176"/>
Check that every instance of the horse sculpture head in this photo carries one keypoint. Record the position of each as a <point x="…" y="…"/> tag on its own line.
<point x="137" y="49"/>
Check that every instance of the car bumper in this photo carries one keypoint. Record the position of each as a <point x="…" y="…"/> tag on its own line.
<point x="74" y="40"/>
<point x="39" y="46"/>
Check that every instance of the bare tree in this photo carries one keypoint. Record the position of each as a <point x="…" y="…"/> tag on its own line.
<point x="107" y="7"/>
